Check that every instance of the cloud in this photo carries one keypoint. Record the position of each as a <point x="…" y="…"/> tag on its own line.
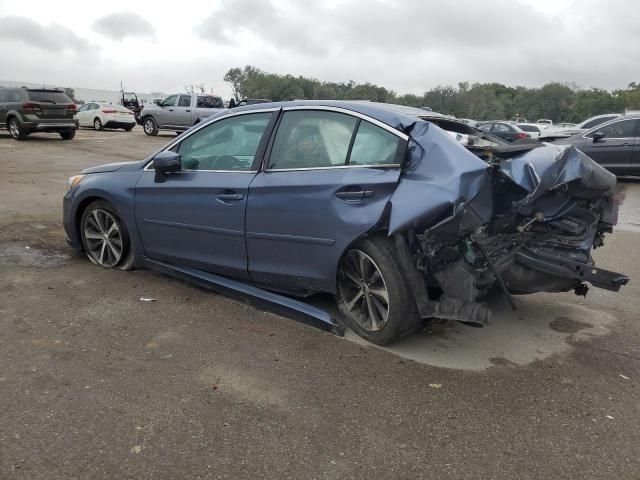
<point x="120" y="25"/>
<point x="52" y="37"/>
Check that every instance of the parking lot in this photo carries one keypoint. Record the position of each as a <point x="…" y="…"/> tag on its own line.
<point x="95" y="383"/>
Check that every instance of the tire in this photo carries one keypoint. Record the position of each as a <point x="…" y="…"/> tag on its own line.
<point x="68" y="134"/>
<point x="96" y="225"/>
<point x="150" y="126"/>
<point x="370" y="278"/>
<point x="97" y="124"/>
<point x="15" y="129"/>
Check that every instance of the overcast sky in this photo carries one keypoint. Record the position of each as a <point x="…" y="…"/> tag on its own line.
<point x="404" y="45"/>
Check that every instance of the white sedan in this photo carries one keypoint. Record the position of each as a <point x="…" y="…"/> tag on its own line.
<point x="101" y="115"/>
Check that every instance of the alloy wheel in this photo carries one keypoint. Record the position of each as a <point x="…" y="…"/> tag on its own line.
<point x="148" y="126"/>
<point x="103" y="238"/>
<point x="363" y="290"/>
<point x="14" y="128"/>
<point x="97" y="124"/>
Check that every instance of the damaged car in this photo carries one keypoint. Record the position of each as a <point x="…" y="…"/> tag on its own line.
<point x="375" y="204"/>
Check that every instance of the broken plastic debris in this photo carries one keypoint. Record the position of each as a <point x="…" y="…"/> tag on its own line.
<point x="147" y="299"/>
<point x="435" y="385"/>
<point x="624" y="376"/>
<point x="610" y="417"/>
<point x="136" y="449"/>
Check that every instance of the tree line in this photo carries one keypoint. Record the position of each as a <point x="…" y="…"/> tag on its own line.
<point x="559" y="102"/>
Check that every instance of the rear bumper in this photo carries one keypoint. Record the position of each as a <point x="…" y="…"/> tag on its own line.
<point x="119" y="124"/>
<point x="50" y="125"/>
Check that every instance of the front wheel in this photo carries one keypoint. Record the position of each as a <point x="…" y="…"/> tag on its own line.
<point x="97" y="124"/>
<point x="16" y="130"/>
<point x="374" y="297"/>
<point x="105" y="237"/>
<point x="150" y="127"/>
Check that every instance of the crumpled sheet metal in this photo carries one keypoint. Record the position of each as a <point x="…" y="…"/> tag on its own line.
<point x="543" y="169"/>
<point x="440" y="174"/>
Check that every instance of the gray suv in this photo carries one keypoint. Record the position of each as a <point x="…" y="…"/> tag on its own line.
<point x="179" y="112"/>
<point x="28" y="110"/>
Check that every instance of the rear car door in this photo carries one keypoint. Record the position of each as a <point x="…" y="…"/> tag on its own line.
<point x="197" y="216"/>
<point x="327" y="179"/>
<point x="615" y="150"/>
<point x="183" y="113"/>
<point x="4" y="106"/>
<point x="83" y="114"/>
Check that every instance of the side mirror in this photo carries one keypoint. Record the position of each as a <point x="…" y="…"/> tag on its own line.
<point x="166" y="162"/>
<point x="598" y="136"/>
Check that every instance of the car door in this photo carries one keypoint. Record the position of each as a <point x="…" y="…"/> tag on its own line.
<point x="615" y="149"/>
<point x="82" y="115"/>
<point x="182" y="114"/>
<point x="164" y="115"/>
<point x="325" y="183"/>
<point x="4" y="106"/>
<point x="197" y="216"/>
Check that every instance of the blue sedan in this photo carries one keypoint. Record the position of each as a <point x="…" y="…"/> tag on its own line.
<point x="373" y="203"/>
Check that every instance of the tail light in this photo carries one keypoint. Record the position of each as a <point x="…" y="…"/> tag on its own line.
<point x="521" y="135"/>
<point x="31" y="107"/>
<point x="72" y="108"/>
<point x="109" y="110"/>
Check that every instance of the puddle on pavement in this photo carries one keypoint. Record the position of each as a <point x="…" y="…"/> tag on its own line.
<point x="541" y="327"/>
<point x="28" y="256"/>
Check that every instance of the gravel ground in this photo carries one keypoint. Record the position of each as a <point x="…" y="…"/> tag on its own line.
<point x="96" y="384"/>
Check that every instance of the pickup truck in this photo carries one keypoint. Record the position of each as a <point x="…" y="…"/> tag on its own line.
<point x="179" y="112"/>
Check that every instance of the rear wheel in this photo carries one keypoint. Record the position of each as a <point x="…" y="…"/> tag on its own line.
<point x="105" y="237"/>
<point x="68" y="134"/>
<point x="16" y="130"/>
<point x="97" y="124"/>
<point x="149" y="126"/>
<point x="374" y="297"/>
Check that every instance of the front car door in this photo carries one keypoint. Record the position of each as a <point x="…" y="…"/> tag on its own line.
<point x="326" y="182"/>
<point x="196" y="217"/>
<point x="614" y="151"/>
<point x="83" y="115"/>
<point x="164" y="116"/>
<point x="182" y="114"/>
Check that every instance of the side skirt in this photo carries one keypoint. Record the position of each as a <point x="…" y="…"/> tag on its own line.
<point x="272" y="302"/>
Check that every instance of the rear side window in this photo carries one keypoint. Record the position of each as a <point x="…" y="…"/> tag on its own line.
<point x="500" y="128"/>
<point x="529" y="128"/>
<point x="185" y="101"/>
<point x="373" y="146"/>
<point x="48" y="96"/>
<point x="597" y="121"/>
<point x="312" y="139"/>
<point x="621" y="129"/>
<point x="228" y="144"/>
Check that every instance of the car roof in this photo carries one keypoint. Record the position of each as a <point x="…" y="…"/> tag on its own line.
<point x="384" y="112"/>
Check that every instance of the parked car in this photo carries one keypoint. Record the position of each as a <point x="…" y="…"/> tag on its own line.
<point x="614" y="145"/>
<point x="366" y="201"/>
<point x="101" y="115"/>
<point x="505" y="130"/>
<point x="545" y="121"/>
<point x="564" y="124"/>
<point x="554" y="133"/>
<point x="24" y="111"/>
<point x="179" y="112"/>
<point x="534" y="130"/>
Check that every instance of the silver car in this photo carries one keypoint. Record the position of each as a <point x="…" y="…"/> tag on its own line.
<point x="179" y="112"/>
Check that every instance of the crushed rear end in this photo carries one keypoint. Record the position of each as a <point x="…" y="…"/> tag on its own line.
<point x="522" y="218"/>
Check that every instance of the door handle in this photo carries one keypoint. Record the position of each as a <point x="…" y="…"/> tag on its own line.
<point x="627" y="144"/>
<point x="187" y="110"/>
<point x="171" y="109"/>
<point x="230" y="197"/>
<point x="354" y="195"/>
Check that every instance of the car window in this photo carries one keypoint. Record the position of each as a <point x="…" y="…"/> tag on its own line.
<point x="597" y="121"/>
<point x="311" y="139"/>
<point x="94" y="106"/>
<point x="485" y="126"/>
<point x="207" y="101"/>
<point x="84" y="108"/>
<point x="500" y="128"/>
<point x="185" y="101"/>
<point x="529" y="128"/>
<point x="373" y="145"/>
<point x="228" y="144"/>
<point x="48" y="96"/>
<point x="4" y="95"/>
<point x="621" y="129"/>
<point x="13" y="96"/>
<point x="170" y="101"/>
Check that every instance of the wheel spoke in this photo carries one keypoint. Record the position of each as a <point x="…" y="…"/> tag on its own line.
<point x="351" y="274"/>
<point x="102" y="250"/>
<point x="112" y="228"/>
<point x="373" y="314"/>
<point x="380" y="292"/>
<point x="114" y="252"/>
<point x="354" y="300"/>
<point x="98" y="221"/>
<point x="381" y="308"/>
<point x="88" y="234"/>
